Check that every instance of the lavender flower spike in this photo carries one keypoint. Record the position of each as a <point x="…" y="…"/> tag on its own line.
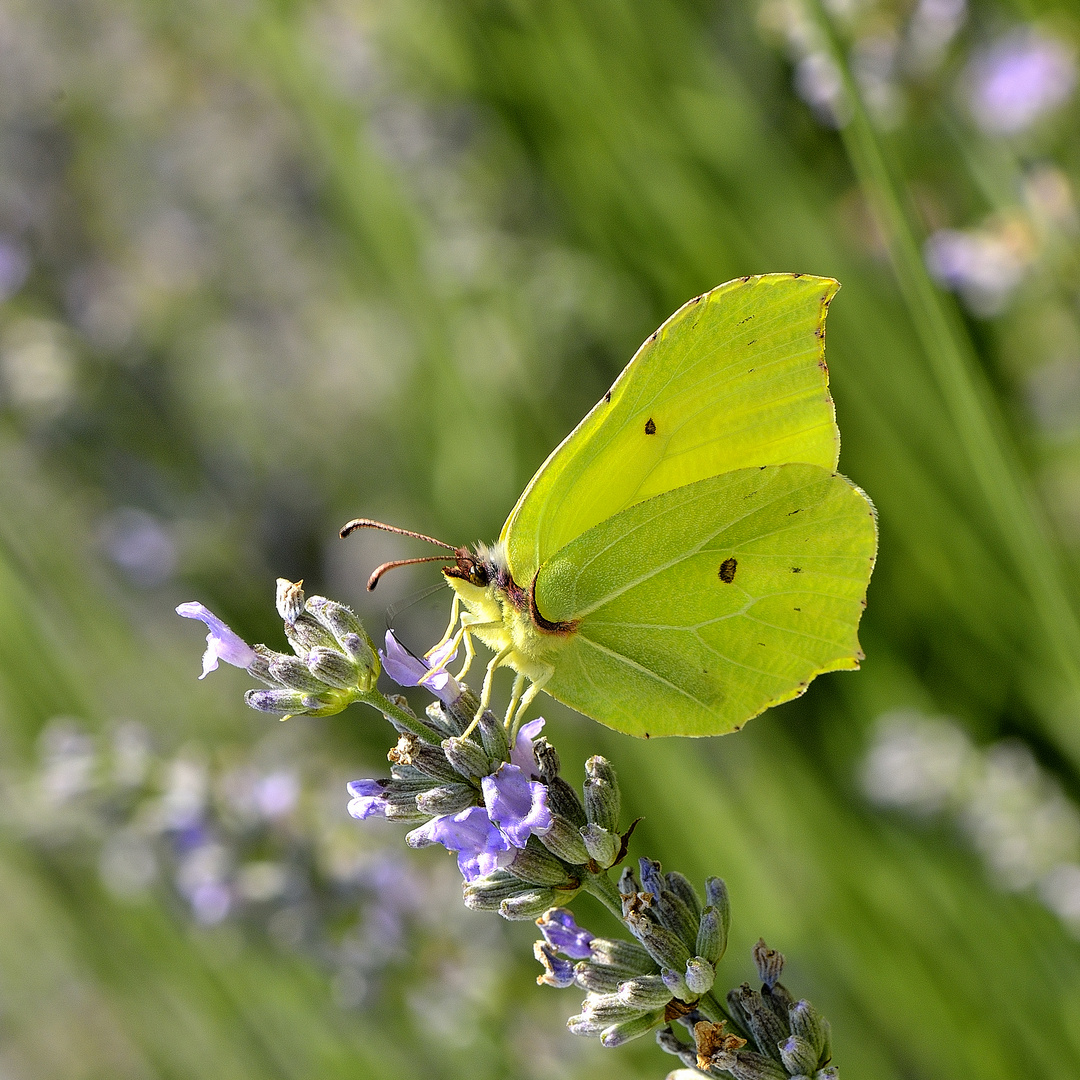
<point x="221" y="642"/>
<point x="408" y="670"/>
<point x="368" y="799"/>
<point x="481" y="847"/>
<point x="562" y="933"/>
<point x="516" y="804"/>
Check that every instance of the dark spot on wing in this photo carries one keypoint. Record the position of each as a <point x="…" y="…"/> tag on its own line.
<point x="727" y="571"/>
<point x="650" y="427"/>
<point x="749" y="343"/>
<point x="746" y="320"/>
<point x="819" y="332"/>
<point x="751" y="494"/>
<point x="763" y="645"/>
<point x="799" y="609"/>
<point x="793" y="512"/>
<point x="796" y="276"/>
<point x="646" y="735"/>
<point x="745" y="278"/>
<point x="607" y="396"/>
<point x="698" y="299"/>
<point x="796" y="569"/>
<point x="654" y="335"/>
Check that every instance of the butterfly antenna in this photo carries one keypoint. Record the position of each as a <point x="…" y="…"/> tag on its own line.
<point x="380" y="570"/>
<point x="368" y="523"/>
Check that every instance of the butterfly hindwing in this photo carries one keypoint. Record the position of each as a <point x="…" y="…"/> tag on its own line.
<point x="700" y="607"/>
<point x="734" y="378"/>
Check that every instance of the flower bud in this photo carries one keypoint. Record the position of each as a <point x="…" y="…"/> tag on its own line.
<point x="564" y="841"/>
<point x="536" y="866"/>
<point x="676" y="983"/>
<point x="680" y="885"/>
<point x="335" y="617"/>
<point x="644" y="992"/>
<point x="406" y="813"/>
<point x="597" y="978"/>
<point x="601" y="794"/>
<point x="711" y="936"/>
<point x="292" y="672"/>
<point x="332" y="667"/>
<point x="493" y="736"/>
<point x="608" y="1008"/>
<point x="661" y="944"/>
<point x="812" y="1027"/>
<point x="831" y="1073"/>
<point x="652" y="880"/>
<point x="766" y="1027"/>
<point x="770" y="963"/>
<point x="447" y="799"/>
<point x="466" y="757"/>
<point x="547" y="759"/>
<point x="798" y="1056"/>
<point x="564" y="801"/>
<point x="430" y="760"/>
<point x="280" y="702"/>
<point x="699" y="975"/>
<point x="260" y="665"/>
<point x="602" y="846"/>
<point x="305" y="633"/>
<point x="289" y="599"/>
<point x="626" y="956"/>
<point x="618" y="1034"/>
<point x="488" y="892"/>
<point x="746" y="1065"/>
<point x="582" y="1024"/>
<point x="628" y="884"/>
<point x="529" y="905"/>
<point x="676" y="916"/>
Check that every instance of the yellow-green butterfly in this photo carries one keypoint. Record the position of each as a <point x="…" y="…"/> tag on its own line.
<point x="688" y="556"/>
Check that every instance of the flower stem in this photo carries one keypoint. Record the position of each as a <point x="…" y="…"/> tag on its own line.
<point x="398" y="716"/>
<point x="604" y="889"/>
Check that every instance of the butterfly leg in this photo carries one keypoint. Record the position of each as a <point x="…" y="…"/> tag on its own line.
<point x="468" y="625"/>
<point x="526" y="700"/>
<point x="515" y="698"/>
<point x="485" y="693"/>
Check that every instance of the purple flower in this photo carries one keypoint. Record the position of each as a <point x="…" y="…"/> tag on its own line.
<point x="521" y="753"/>
<point x="221" y="642"/>
<point x="408" y="670"/>
<point x="563" y="934"/>
<point x="557" y="971"/>
<point x="368" y="799"/>
<point x="481" y="846"/>
<point x="516" y="804"/>
<point x="1018" y="79"/>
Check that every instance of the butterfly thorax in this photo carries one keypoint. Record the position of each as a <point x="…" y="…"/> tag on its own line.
<point x="505" y="613"/>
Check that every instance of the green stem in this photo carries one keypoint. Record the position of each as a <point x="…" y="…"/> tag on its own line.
<point x="604" y="889"/>
<point x="967" y="396"/>
<point x="396" y="715"/>
<point x="710" y="1007"/>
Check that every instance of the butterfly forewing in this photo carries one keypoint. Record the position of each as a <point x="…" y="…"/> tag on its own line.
<point x="734" y="378"/>
<point x="701" y="607"/>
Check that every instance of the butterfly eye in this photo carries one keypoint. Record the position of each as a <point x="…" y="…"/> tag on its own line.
<point x="478" y="574"/>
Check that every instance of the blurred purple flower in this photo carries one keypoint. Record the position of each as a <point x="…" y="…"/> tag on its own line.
<point x="561" y="932"/>
<point x="1018" y="79"/>
<point x="14" y="267"/>
<point x="481" y="846"/>
<point x="408" y="670"/>
<point x="516" y="804"/>
<point x="221" y="642"/>
<point x="368" y="799"/>
<point x="521" y="753"/>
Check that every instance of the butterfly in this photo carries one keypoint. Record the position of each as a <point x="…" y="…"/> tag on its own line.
<point x="688" y="556"/>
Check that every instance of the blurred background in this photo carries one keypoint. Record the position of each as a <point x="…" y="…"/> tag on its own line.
<point x="269" y="264"/>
